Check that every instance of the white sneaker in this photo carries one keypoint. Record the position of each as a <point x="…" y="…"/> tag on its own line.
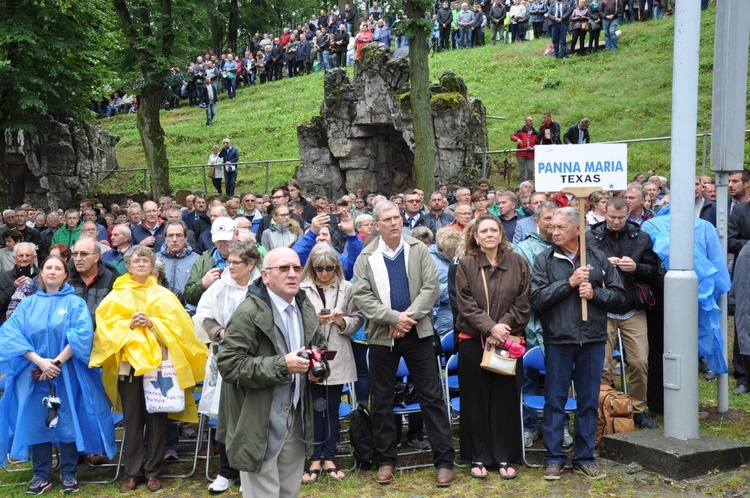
<point x="220" y="485"/>
<point x="567" y="438"/>
<point x="529" y="437"/>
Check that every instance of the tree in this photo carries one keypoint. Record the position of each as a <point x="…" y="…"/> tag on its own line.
<point x="417" y="29"/>
<point x="51" y="61"/>
<point x="148" y="27"/>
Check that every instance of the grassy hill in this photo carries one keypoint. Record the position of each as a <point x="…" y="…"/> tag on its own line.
<point x="627" y="95"/>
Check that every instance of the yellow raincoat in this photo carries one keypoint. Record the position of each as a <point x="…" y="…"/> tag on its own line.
<point x="114" y="341"/>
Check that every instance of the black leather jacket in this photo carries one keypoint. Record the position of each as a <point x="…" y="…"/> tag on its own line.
<point x="631" y="241"/>
<point x="559" y="304"/>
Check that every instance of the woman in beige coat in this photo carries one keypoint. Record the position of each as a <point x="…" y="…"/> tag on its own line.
<point x="331" y="296"/>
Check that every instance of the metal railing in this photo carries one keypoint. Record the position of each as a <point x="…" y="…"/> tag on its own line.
<point x="703" y="136"/>
<point x="104" y="174"/>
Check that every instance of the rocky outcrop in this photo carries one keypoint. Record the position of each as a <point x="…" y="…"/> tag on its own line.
<point x="60" y="164"/>
<point x="364" y="138"/>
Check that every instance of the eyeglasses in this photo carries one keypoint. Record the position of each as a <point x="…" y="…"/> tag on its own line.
<point x="81" y="254"/>
<point x="278" y="196"/>
<point x="285" y="268"/>
<point x="413" y="200"/>
<point x="321" y="269"/>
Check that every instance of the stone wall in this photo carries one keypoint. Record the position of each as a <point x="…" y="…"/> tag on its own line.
<point x="61" y="164"/>
<point x="364" y="136"/>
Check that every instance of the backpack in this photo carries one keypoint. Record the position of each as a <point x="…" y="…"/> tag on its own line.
<point x="360" y="434"/>
<point x="615" y="412"/>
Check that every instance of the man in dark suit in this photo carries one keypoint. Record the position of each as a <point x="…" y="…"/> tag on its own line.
<point x="578" y="133"/>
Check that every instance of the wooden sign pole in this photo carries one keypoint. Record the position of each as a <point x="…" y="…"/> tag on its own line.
<point x="582" y="193"/>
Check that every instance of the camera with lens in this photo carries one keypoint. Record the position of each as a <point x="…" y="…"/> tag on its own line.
<point x="318" y="361"/>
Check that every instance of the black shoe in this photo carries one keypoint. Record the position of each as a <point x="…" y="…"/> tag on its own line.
<point x="741" y="389"/>
<point x="419" y="444"/>
<point x="69" y="485"/>
<point x="643" y="421"/>
<point x="710" y="375"/>
<point x="38" y="486"/>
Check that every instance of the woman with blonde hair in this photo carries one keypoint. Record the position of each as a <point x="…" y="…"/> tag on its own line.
<point x="492" y="291"/>
<point x="331" y="296"/>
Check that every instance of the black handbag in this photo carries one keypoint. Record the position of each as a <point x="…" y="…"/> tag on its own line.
<point x="643" y="296"/>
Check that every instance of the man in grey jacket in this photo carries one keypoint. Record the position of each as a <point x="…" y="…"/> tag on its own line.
<point x="395" y="287"/>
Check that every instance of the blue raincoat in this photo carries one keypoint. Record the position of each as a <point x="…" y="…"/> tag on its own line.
<point x="46" y="324"/>
<point x="713" y="280"/>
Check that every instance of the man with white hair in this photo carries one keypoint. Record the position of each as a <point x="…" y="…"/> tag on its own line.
<point x="151" y="231"/>
<point x="24" y="256"/>
<point x="120" y="245"/>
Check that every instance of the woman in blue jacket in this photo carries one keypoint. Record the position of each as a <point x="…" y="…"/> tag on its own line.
<point x="52" y="398"/>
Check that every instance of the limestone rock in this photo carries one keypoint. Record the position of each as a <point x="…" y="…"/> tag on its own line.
<point x="57" y="165"/>
<point x="364" y="136"/>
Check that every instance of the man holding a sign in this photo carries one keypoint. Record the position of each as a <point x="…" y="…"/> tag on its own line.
<point x="560" y="286"/>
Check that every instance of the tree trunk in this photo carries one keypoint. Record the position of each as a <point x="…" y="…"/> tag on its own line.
<point x="419" y="96"/>
<point x="233" y="26"/>
<point x="217" y="33"/>
<point x="153" y="139"/>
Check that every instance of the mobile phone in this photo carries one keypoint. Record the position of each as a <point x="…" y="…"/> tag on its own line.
<point x="335" y="219"/>
<point x="325" y="311"/>
<point x="24" y="271"/>
<point x="36" y="374"/>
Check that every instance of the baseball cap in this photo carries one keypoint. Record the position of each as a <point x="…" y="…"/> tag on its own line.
<point x="222" y="229"/>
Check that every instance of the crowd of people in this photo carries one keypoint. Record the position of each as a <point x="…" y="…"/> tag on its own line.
<point x="329" y="39"/>
<point x="233" y="288"/>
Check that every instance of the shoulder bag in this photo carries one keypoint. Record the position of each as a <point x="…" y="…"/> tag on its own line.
<point x="494" y="358"/>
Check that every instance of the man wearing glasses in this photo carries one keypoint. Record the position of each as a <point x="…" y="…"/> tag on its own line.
<point x="395" y="287"/>
<point x="414" y="215"/>
<point x="91" y="278"/>
<point x="177" y="254"/>
<point x="265" y="402"/>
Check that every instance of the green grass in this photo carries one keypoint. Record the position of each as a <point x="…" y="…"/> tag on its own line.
<point x="627" y="94"/>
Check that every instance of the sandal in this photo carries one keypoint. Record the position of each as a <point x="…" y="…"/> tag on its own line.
<point x="504" y="467"/>
<point x="310" y="476"/>
<point x="482" y="471"/>
<point x="332" y="473"/>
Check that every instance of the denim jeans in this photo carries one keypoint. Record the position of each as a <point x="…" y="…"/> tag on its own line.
<point x="324" y="59"/>
<point x="326" y="423"/>
<point x="41" y="460"/>
<point x="609" y="26"/>
<point x="210" y="112"/>
<point x="559" y="33"/>
<point x="559" y="360"/>
<point x="230" y="179"/>
<point x="465" y="40"/>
